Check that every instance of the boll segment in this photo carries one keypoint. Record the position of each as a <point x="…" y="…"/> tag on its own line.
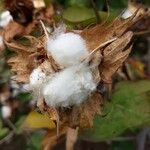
<point x="67" y="49"/>
<point x="69" y="87"/>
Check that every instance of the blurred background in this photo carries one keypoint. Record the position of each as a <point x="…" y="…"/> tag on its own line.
<point x="21" y="124"/>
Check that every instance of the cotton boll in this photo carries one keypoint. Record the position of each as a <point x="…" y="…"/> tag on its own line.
<point x="67" y="49"/>
<point x="69" y="87"/>
<point x="5" y="18"/>
<point x="6" y="111"/>
<point x="37" y="78"/>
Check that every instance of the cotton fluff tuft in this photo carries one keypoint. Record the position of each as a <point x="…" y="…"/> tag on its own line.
<point x="6" y="111"/>
<point x="37" y="78"/>
<point x="1" y="41"/>
<point x="5" y="18"/>
<point x="69" y="87"/>
<point x="127" y="13"/>
<point x="67" y="49"/>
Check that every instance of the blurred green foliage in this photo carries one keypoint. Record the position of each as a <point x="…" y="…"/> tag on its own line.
<point x="129" y="109"/>
<point x="34" y="142"/>
<point x="3" y="130"/>
<point x="125" y="145"/>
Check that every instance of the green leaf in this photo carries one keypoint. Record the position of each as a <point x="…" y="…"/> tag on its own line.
<point x="146" y="2"/>
<point x="34" y="143"/>
<point x="125" y="145"/>
<point x="121" y="4"/>
<point x="84" y="16"/>
<point x="19" y="124"/>
<point x="47" y="2"/>
<point x="3" y="132"/>
<point x="129" y="108"/>
<point x="24" y="97"/>
<point x="78" y="14"/>
<point x="77" y="2"/>
<point x="2" y="6"/>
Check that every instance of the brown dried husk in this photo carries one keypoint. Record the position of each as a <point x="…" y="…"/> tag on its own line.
<point x="105" y="63"/>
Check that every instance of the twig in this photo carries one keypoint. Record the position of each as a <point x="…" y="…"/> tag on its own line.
<point x="7" y="138"/>
<point x="11" y="125"/>
<point x="141" y="139"/>
<point x="96" y="11"/>
<point x="108" y="12"/>
<point x="72" y="135"/>
<point x="130" y="138"/>
<point x="148" y="55"/>
<point x="45" y="30"/>
<point x="142" y="32"/>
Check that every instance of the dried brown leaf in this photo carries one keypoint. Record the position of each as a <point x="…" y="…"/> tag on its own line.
<point x="46" y="14"/>
<point x="26" y="59"/>
<point x="13" y="29"/>
<point x="114" y="55"/>
<point x="83" y="115"/>
<point x="22" y="65"/>
<point x="29" y="57"/>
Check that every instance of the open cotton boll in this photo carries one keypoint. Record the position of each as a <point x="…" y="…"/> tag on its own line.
<point x="6" y="111"/>
<point x="5" y="18"/>
<point x="37" y="78"/>
<point x="69" y="87"/>
<point x="67" y="49"/>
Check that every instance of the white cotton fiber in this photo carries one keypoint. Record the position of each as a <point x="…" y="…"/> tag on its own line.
<point x="1" y="41"/>
<point x="69" y="87"/>
<point x="5" y="18"/>
<point x="37" y="78"/>
<point x="67" y="49"/>
<point x="6" y="111"/>
<point x="127" y="13"/>
<point x="36" y="82"/>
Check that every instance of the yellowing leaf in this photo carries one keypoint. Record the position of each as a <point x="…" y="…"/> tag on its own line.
<point x="36" y="120"/>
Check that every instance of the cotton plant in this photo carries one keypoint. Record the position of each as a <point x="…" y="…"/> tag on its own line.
<point x="64" y="68"/>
